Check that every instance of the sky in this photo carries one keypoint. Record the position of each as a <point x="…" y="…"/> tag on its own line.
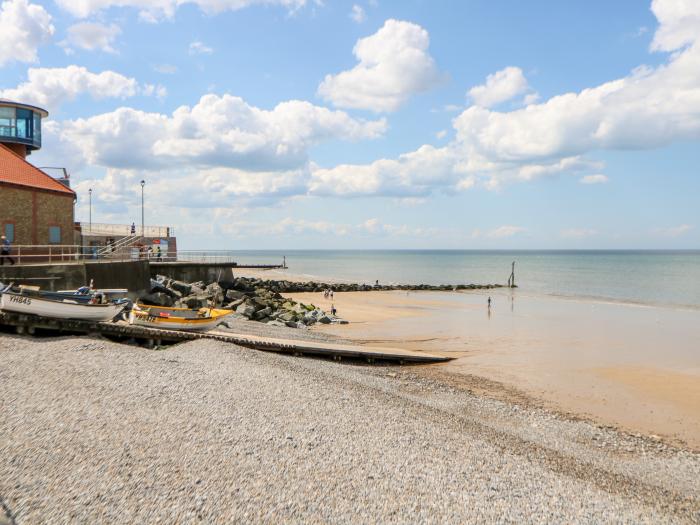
<point x="283" y="124"/>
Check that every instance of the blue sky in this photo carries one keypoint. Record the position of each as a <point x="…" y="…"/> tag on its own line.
<point x="413" y="124"/>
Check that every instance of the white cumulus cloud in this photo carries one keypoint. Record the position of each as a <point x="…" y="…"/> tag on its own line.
<point x="394" y="64"/>
<point x="500" y="86"/>
<point x="153" y="10"/>
<point x="23" y="28"/>
<point x="219" y="131"/>
<point x="92" y="36"/>
<point x="50" y="87"/>
<point x="649" y="108"/>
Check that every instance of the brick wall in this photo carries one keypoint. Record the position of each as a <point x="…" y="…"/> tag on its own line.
<point x="33" y="211"/>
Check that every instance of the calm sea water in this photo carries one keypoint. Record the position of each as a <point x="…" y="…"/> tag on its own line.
<point x="645" y="277"/>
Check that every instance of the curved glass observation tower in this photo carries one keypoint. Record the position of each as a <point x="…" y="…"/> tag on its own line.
<point x="20" y="126"/>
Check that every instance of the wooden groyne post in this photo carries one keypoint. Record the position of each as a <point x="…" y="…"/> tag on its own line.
<point x="511" y="279"/>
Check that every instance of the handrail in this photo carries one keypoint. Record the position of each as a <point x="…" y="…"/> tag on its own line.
<point x="97" y="228"/>
<point x="29" y="253"/>
<point x="125" y="242"/>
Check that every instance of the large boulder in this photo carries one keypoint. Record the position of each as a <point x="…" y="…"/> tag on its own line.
<point x="261" y="314"/>
<point x="288" y="316"/>
<point x="196" y="301"/>
<point x="215" y="293"/>
<point x="246" y="310"/>
<point x="183" y="288"/>
<point x="235" y="304"/>
<point x="233" y="295"/>
<point x="157" y="299"/>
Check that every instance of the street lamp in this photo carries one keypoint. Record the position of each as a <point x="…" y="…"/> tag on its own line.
<point x="143" y="222"/>
<point x="90" y="199"/>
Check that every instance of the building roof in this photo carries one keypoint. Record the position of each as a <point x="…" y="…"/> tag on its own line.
<point x="15" y="170"/>
<point x="6" y="102"/>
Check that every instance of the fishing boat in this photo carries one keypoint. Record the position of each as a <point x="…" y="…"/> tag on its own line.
<point x="83" y="295"/>
<point x="58" y="308"/>
<point x="177" y="318"/>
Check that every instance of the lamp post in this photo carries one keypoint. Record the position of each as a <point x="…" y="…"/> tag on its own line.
<point x="143" y="222"/>
<point x="90" y="199"/>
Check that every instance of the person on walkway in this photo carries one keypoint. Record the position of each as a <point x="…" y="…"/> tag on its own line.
<point x="159" y="253"/>
<point x="133" y="228"/>
<point x="5" y="251"/>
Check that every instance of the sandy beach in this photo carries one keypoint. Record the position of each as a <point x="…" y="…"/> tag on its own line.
<point x="610" y="362"/>
<point x="99" y="432"/>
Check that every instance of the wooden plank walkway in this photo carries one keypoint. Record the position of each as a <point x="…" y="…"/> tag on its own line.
<point x="28" y="324"/>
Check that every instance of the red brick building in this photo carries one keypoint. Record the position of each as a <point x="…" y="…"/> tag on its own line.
<point x="36" y="208"/>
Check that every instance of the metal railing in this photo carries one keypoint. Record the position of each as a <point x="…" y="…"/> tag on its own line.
<point x="39" y="253"/>
<point x="57" y="253"/>
<point x="66" y="253"/>
<point x="213" y="256"/>
<point x="123" y="230"/>
<point x="122" y="245"/>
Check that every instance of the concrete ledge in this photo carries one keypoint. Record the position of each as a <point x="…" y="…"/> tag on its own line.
<point x="190" y="272"/>
<point x="133" y="275"/>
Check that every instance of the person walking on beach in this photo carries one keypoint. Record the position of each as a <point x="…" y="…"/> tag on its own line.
<point x="5" y="251"/>
<point x="489" y="303"/>
<point x="333" y="310"/>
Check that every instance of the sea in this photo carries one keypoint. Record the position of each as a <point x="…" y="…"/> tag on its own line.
<point x="644" y="277"/>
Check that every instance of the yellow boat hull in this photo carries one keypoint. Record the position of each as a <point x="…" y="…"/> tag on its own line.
<point x="178" y="318"/>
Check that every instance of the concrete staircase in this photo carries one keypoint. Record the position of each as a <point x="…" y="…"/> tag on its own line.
<point x="120" y="249"/>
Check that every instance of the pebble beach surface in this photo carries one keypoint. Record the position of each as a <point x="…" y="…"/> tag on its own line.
<point x="98" y="432"/>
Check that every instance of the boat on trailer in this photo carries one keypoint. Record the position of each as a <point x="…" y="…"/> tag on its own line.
<point x="59" y="308"/>
<point x="177" y="318"/>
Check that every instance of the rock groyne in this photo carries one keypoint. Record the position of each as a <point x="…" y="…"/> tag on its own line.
<point x="262" y="300"/>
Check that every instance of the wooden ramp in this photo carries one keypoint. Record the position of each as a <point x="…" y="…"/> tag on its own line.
<point x="335" y="350"/>
<point x="29" y="324"/>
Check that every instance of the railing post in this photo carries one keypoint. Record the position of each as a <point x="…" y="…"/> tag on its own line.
<point x="50" y="252"/>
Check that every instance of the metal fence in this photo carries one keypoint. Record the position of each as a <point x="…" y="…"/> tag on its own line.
<point x="211" y="256"/>
<point x="123" y="230"/>
<point x="55" y="253"/>
<point x="66" y="253"/>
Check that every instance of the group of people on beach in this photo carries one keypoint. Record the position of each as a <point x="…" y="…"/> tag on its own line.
<point x="328" y="294"/>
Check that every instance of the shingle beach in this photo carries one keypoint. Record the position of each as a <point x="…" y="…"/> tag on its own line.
<point x="97" y="432"/>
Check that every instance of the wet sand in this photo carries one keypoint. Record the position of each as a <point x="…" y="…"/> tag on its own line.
<point x="619" y="364"/>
